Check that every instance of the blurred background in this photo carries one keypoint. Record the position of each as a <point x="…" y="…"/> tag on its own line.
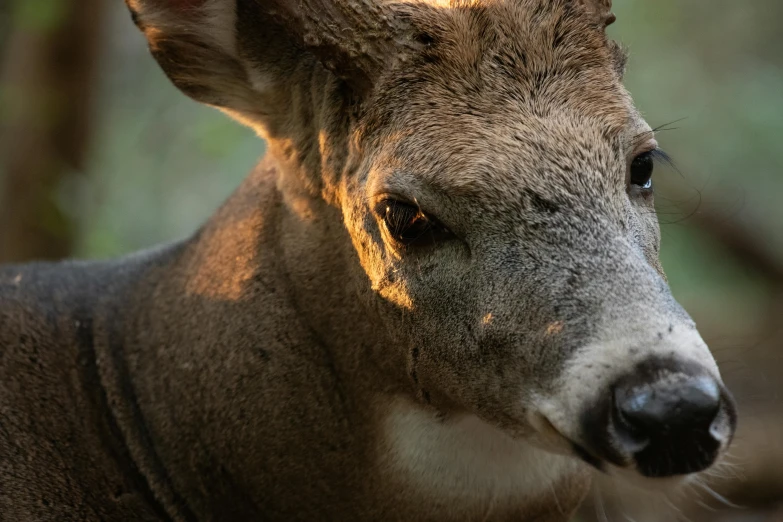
<point x="100" y="156"/>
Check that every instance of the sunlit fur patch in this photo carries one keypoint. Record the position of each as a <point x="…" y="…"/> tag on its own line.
<point x="397" y="295"/>
<point x="555" y="328"/>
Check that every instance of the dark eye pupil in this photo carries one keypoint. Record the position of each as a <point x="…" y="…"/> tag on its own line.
<point x="410" y="227"/>
<point x="642" y="170"/>
<point x="405" y="222"/>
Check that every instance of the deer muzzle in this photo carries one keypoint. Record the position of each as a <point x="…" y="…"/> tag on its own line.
<point x="664" y="418"/>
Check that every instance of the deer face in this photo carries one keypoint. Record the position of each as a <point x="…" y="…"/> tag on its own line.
<point x="495" y="183"/>
<point x="503" y="214"/>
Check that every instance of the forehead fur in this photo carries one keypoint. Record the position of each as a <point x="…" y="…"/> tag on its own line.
<point x="501" y="81"/>
<point x="538" y="54"/>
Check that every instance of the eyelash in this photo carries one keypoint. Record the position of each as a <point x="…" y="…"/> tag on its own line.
<point x="661" y="156"/>
<point x="409" y="226"/>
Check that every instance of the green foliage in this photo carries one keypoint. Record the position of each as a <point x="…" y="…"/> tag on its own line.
<point x="38" y="15"/>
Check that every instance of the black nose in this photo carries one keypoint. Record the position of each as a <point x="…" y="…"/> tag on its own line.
<point x="672" y="425"/>
<point x="652" y="410"/>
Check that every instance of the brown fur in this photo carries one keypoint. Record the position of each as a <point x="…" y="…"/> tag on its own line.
<point x="290" y="361"/>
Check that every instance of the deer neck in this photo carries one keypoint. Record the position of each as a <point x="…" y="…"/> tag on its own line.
<point x="267" y="314"/>
<point x="326" y="279"/>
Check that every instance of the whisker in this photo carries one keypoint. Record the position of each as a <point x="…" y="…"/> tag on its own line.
<point x="668" y="126"/>
<point x="679" y="513"/>
<point x="645" y="135"/>
<point x="717" y="496"/>
<point x="557" y="500"/>
<point x="600" y="510"/>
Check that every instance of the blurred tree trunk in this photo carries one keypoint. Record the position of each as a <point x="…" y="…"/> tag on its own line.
<point x="5" y="23"/>
<point x="46" y="91"/>
<point x="747" y="241"/>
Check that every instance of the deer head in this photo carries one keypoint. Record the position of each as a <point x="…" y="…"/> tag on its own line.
<point x="495" y="184"/>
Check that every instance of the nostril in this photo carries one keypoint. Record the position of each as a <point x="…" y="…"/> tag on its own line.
<point x="722" y="427"/>
<point x="718" y="430"/>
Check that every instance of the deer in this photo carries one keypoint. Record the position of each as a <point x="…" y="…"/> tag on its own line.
<point x="437" y="297"/>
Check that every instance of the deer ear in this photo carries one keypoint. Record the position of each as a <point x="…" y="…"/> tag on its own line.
<point x="243" y="55"/>
<point x="601" y="10"/>
<point x="194" y="41"/>
<point x="355" y="39"/>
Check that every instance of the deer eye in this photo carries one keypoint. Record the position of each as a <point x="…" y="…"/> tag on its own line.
<point x="409" y="226"/>
<point x="642" y="168"/>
